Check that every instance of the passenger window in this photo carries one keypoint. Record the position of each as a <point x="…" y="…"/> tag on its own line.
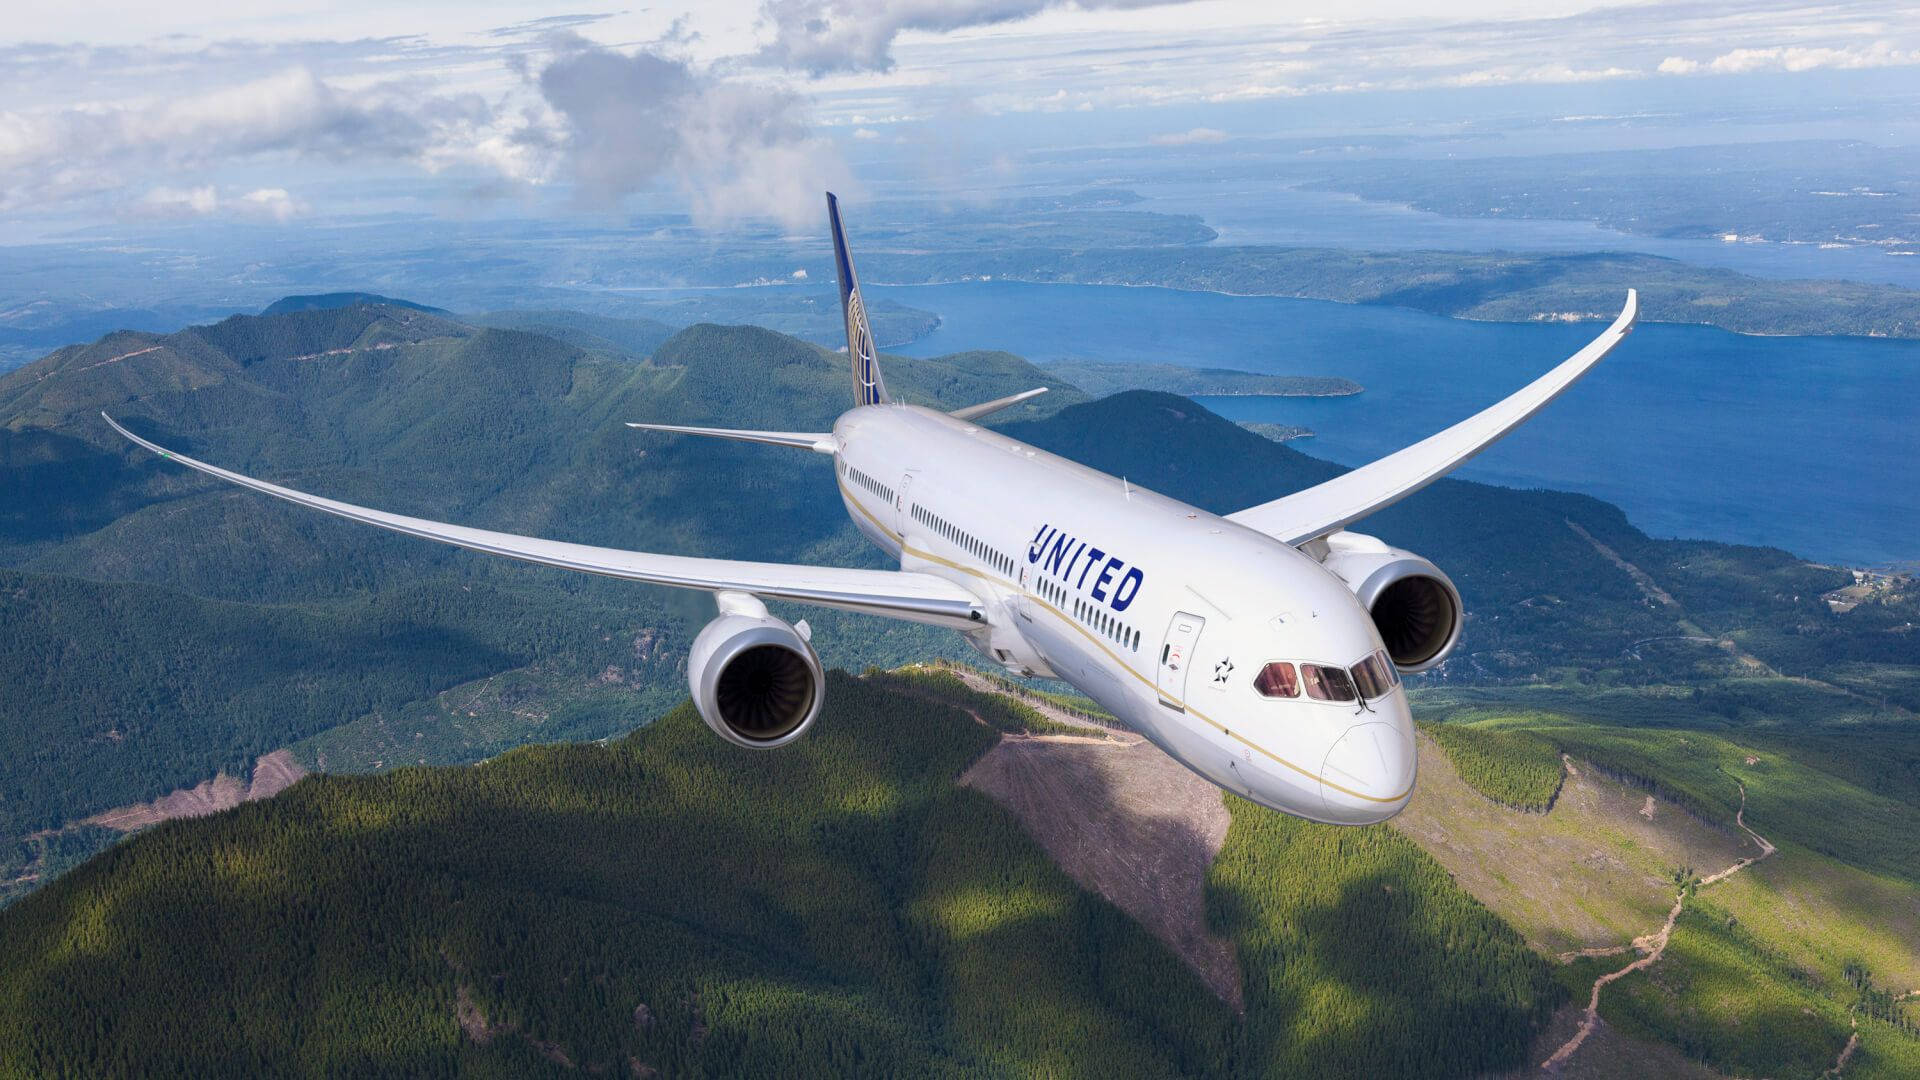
<point x="1370" y="675"/>
<point x="1326" y="683"/>
<point x="1277" y="679"/>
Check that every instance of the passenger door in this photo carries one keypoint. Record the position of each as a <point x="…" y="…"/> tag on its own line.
<point x="1176" y="655"/>
<point x="903" y="505"/>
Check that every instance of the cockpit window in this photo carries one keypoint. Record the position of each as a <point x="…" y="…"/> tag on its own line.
<point x="1277" y="679"/>
<point x="1326" y="683"/>
<point x="1374" y="676"/>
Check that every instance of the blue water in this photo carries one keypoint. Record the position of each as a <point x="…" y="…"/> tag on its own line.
<point x="1808" y="444"/>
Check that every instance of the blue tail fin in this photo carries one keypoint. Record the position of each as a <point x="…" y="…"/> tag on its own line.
<point x="869" y="388"/>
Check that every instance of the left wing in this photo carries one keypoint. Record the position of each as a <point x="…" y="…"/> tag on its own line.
<point x="820" y="442"/>
<point x="899" y="594"/>
<point x="1329" y="507"/>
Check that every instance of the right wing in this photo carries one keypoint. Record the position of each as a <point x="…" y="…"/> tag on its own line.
<point x="1328" y="507"/>
<point x="899" y="594"/>
<point x="986" y="408"/>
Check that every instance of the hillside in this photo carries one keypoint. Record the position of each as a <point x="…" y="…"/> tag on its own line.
<point x="165" y="633"/>
<point x="324" y="301"/>
<point x="138" y="662"/>
<point x="670" y="903"/>
<point x="465" y="657"/>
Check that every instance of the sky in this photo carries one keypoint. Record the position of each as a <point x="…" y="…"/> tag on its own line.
<point x="737" y="110"/>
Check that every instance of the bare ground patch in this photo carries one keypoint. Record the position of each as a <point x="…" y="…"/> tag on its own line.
<point x="272" y="774"/>
<point x="1595" y="873"/>
<point x="1128" y="822"/>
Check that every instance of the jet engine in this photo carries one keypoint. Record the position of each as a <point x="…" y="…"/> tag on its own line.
<point x="1415" y="607"/>
<point x="755" y="679"/>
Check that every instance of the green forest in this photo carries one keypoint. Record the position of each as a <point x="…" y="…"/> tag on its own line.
<point x="648" y="898"/>
<point x="670" y="902"/>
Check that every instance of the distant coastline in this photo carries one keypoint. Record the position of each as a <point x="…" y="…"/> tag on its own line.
<point x="1100" y="378"/>
<point x="1481" y="286"/>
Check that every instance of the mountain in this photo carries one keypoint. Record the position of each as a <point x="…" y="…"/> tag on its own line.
<point x="671" y="905"/>
<point x="861" y="912"/>
<point x="184" y="627"/>
<point x="326" y="301"/>
<point x="636" y="338"/>
<point x="517" y="430"/>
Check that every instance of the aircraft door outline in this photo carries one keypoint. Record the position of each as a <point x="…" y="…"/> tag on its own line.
<point x="903" y="504"/>
<point x="1176" y="658"/>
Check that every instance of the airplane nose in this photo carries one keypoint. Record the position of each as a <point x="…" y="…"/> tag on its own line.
<point x="1368" y="774"/>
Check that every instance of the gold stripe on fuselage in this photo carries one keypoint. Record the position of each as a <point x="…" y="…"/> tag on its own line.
<point x="1116" y="658"/>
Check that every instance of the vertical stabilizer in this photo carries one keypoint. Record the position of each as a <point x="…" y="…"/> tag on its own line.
<point x="868" y="387"/>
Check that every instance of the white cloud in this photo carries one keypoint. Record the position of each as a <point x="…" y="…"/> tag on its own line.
<point x="270" y="203"/>
<point x="205" y="201"/>
<point x="865" y="133"/>
<point x="168" y="202"/>
<point x="822" y="36"/>
<point x="1190" y="137"/>
<point x="1544" y="73"/>
<point x="1794" y="58"/>
<point x="734" y="148"/>
<point x="50" y="154"/>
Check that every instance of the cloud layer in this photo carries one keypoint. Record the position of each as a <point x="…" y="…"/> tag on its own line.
<point x="610" y="123"/>
<point x="741" y="112"/>
<point x="62" y="153"/>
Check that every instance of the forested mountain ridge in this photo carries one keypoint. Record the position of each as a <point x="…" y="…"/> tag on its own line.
<point x="318" y="301"/>
<point x="163" y="626"/>
<point x="508" y="429"/>
<point x="672" y="904"/>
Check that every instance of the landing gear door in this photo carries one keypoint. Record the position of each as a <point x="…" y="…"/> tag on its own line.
<point x="1176" y="656"/>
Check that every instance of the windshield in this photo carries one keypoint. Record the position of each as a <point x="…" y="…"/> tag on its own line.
<point x="1326" y="683"/>
<point x="1374" y="676"/>
<point x="1277" y="680"/>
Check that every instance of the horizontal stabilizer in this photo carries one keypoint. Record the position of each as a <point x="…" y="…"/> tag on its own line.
<point x="820" y="442"/>
<point x="988" y="408"/>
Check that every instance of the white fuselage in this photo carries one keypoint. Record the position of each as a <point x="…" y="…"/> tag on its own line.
<point x="1161" y="612"/>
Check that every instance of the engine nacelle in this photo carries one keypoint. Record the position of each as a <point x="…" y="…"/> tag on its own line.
<point x="1415" y="606"/>
<point x="755" y="679"/>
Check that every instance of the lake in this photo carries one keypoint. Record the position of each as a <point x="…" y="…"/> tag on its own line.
<point x="1803" y="443"/>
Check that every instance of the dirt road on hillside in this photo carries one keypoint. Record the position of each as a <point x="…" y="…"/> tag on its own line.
<point x="1655" y="944"/>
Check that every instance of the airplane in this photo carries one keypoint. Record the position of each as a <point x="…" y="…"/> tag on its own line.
<point x="1263" y="649"/>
